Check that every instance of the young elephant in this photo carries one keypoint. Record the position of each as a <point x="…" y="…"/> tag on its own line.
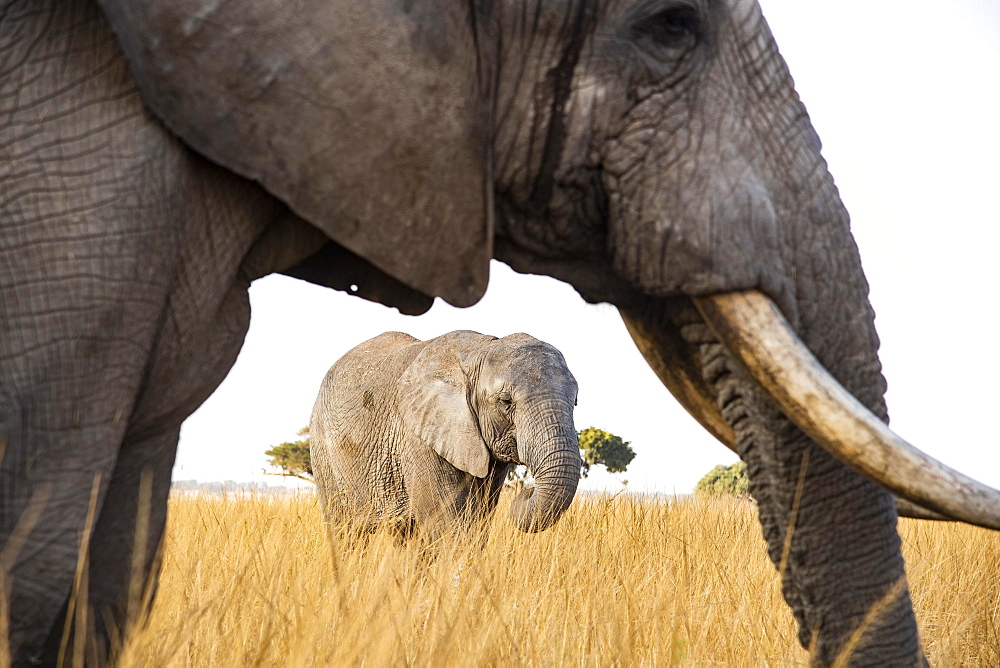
<point x="424" y="432"/>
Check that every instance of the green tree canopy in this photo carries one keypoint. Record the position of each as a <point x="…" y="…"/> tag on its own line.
<point x="292" y="457"/>
<point x="601" y="447"/>
<point x="725" y="480"/>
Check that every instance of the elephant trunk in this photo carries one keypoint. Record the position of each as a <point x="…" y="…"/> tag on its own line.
<point x="548" y="445"/>
<point x="830" y="533"/>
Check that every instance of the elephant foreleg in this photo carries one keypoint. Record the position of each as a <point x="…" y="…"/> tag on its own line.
<point x="61" y="441"/>
<point x="124" y="549"/>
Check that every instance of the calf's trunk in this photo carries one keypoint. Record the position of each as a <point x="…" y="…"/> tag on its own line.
<point x="548" y="445"/>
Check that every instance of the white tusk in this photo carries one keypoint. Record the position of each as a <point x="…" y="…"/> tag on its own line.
<point x="670" y="359"/>
<point x="756" y="333"/>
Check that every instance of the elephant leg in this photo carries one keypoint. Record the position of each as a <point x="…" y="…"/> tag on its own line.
<point x="485" y="495"/>
<point x="64" y="411"/>
<point x="439" y="497"/>
<point x="46" y="525"/>
<point x="181" y="372"/>
<point x="331" y="488"/>
<point x="95" y="385"/>
<point x="444" y="499"/>
<point x="69" y="468"/>
<point x="124" y="549"/>
<point x="108" y="340"/>
<point x="483" y="498"/>
<point x="74" y="346"/>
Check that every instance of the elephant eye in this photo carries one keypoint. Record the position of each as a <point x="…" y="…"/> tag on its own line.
<point x="666" y="41"/>
<point x="505" y="401"/>
<point x="673" y="27"/>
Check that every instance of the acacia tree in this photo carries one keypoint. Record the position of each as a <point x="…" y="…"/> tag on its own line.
<point x="292" y="457"/>
<point x="602" y="447"/>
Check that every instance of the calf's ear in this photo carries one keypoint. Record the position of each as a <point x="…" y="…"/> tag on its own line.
<point x="434" y="407"/>
<point x="369" y="119"/>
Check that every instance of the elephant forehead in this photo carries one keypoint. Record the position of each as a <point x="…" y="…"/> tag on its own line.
<point x="538" y="363"/>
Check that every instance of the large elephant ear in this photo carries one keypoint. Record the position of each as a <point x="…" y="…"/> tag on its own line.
<point x="369" y="119"/>
<point x="434" y="404"/>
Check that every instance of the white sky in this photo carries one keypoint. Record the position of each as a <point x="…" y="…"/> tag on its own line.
<point x="906" y="97"/>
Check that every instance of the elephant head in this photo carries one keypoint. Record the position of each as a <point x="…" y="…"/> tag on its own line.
<point x="474" y="399"/>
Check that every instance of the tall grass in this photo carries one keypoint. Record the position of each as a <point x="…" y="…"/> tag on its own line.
<point x="618" y="581"/>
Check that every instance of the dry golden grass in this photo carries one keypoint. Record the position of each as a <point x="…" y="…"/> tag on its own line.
<point x="618" y="581"/>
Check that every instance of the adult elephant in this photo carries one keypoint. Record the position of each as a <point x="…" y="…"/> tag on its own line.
<point x="158" y="156"/>
<point x="424" y="432"/>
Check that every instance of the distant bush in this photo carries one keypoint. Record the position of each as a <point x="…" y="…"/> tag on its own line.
<point x="725" y="480"/>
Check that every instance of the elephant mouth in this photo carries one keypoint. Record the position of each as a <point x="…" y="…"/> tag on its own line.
<point x="754" y="331"/>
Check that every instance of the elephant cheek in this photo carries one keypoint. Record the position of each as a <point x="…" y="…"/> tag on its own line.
<point x="714" y="234"/>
